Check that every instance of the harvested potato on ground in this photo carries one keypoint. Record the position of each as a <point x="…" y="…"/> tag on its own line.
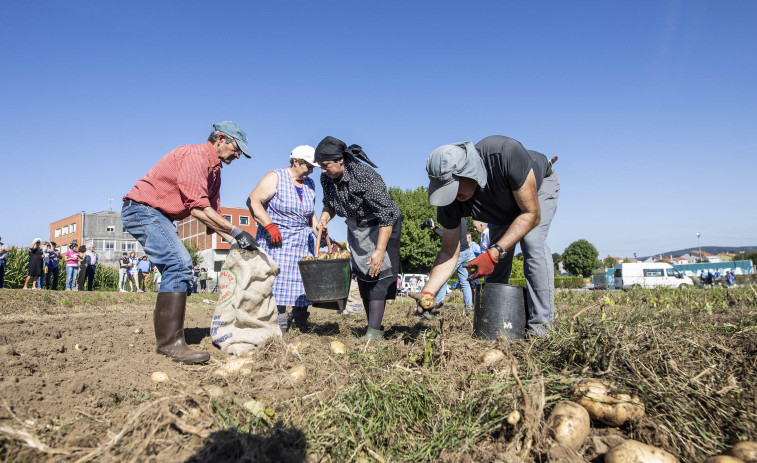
<point x="159" y="377"/>
<point x="214" y="391"/>
<point x="513" y="417"/>
<point x="307" y="258"/>
<point x="493" y="356"/>
<point x="632" y="451"/>
<point x="745" y="451"/>
<point x="606" y="406"/>
<point x="337" y="347"/>
<point x="569" y="424"/>
<point x="723" y="459"/>
<point x="235" y="366"/>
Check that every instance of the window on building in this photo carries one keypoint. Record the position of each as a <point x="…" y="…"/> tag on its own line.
<point x="63" y="249"/>
<point x="73" y="227"/>
<point x="227" y="217"/>
<point x="64" y="231"/>
<point x="128" y="246"/>
<point x="123" y="229"/>
<point x="57" y="232"/>
<point x="110" y="245"/>
<point x="110" y="228"/>
<point x="244" y="220"/>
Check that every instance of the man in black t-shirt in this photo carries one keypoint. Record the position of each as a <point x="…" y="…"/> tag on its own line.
<point x="515" y="190"/>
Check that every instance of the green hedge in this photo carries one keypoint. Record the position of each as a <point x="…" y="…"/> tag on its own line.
<point x="17" y="269"/>
<point x="560" y="282"/>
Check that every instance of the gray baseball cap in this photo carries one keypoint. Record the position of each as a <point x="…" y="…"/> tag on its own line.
<point x="446" y="165"/>
<point x="233" y="130"/>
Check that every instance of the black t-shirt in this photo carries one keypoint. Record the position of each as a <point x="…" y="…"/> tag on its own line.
<point x="507" y="165"/>
<point x="125" y="261"/>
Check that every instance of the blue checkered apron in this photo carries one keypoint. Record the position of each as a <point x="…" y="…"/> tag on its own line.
<point x="292" y="217"/>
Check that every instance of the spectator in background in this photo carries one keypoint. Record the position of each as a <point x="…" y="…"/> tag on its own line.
<point x="144" y="271"/>
<point x="157" y="279"/>
<point x="81" y="277"/>
<point x="709" y="278"/>
<point x="203" y="280"/>
<point x="717" y="277"/>
<point x="72" y="267"/>
<point x="730" y="278"/>
<point x="3" y="256"/>
<point x="473" y="246"/>
<point x="483" y="229"/>
<point x="52" y="254"/>
<point x="134" y="271"/>
<point x="45" y="264"/>
<point x="35" y="262"/>
<point x="91" y="267"/>
<point x="123" y="272"/>
<point x="195" y="277"/>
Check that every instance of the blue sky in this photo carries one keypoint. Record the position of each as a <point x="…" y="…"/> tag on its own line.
<point x="650" y="105"/>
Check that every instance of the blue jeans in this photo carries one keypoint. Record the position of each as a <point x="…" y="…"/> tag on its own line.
<point x="2" y="273"/>
<point x="72" y="272"/>
<point x="157" y="235"/>
<point x="462" y="278"/>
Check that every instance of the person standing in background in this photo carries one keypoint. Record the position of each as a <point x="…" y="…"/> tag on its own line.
<point x="203" y="280"/>
<point x="35" y="262"/>
<point x="45" y="265"/>
<point x="92" y="267"/>
<point x="3" y="256"/>
<point x="51" y="279"/>
<point x="195" y="277"/>
<point x="83" y="264"/>
<point x="483" y="229"/>
<point x="144" y="270"/>
<point x="134" y="271"/>
<point x="123" y="272"/>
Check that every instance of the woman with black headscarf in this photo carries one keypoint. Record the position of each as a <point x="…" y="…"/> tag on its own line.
<point x="355" y="191"/>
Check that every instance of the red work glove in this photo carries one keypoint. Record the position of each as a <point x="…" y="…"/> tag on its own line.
<point x="274" y="235"/>
<point x="481" y="266"/>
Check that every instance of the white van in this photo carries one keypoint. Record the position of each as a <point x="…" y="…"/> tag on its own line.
<point x="419" y="278"/>
<point x="653" y="275"/>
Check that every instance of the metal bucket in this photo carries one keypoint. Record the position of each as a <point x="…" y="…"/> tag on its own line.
<point x="500" y="309"/>
<point x="326" y="280"/>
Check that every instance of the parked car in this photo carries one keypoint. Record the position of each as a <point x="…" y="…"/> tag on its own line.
<point x="651" y="275"/>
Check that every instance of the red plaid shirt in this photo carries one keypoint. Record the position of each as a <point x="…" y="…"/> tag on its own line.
<point x="186" y="178"/>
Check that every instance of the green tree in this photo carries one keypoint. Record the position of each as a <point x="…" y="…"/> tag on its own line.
<point x="418" y="248"/>
<point x="556" y="259"/>
<point x="194" y="252"/>
<point x="608" y="262"/>
<point x="580" y="258"/>
<point x="749" y="255"/>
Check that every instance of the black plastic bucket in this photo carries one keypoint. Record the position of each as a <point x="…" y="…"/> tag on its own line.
<point x="500" y="310"/>
<point x="326" y="280"/>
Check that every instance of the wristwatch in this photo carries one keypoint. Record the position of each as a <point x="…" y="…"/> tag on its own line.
<point x="501" y="251"/>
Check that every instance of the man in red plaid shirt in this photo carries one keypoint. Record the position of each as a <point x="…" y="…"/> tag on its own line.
<point x="184" y="182"/>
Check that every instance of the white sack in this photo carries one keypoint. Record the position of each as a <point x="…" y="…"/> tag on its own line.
<point x="246" y="314"/>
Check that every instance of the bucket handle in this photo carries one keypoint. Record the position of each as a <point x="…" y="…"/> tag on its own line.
<point x="318" y="241"/>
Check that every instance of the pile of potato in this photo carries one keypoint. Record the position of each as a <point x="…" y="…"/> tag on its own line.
<point x="570" y="421"/>
<point x="329" y="255"/>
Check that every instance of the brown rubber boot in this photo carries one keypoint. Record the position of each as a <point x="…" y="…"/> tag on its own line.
<point x="169" y="329"/>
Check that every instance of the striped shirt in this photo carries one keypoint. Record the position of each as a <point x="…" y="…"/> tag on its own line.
<point x="186" y="178"/>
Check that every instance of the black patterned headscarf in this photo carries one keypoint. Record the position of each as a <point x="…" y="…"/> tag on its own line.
<point x="332" y="149"/>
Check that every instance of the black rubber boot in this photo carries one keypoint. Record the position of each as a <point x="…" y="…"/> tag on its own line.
<point x="169" y="329"/>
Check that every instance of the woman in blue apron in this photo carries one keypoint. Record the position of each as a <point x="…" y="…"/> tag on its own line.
<point x="355" y="191"/>
<point x="283" y="205"/>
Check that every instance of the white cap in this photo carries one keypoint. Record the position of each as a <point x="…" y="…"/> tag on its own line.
<point x="306" y="153"/>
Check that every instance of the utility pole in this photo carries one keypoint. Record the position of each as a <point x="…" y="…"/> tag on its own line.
<point x="110" y="204"/>
<point x="700" y="249"/>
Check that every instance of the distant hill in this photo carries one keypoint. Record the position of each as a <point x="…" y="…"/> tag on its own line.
<point x="710" y="249"/>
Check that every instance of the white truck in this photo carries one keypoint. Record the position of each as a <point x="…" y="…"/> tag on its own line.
<point x="652" y="275"/>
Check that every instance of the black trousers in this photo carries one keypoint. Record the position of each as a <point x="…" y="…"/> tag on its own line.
<point x="91" y="276"/>
<point x="51" y="278"/>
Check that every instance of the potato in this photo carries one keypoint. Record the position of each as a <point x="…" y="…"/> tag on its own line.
<point x="235" y="366"/>
<point x="159" y="377"/>
<point x="344" y="254"/>
<point x="337" y="347"/>
<point x="323" y="255"/>
<point x="745" y="451"/>
<point x="513" y="417"/>
<point x="80" y="347"/>
<point x="307" y="258"/>
<point x="569" y="424"/>
<point x="214" y="391"/>
<point x="297" y="374"/>
<point x="723" y="459"/>
<point x="605" y="406"/>
<point x="632" y="451"/>
<point x="493" y="356"/>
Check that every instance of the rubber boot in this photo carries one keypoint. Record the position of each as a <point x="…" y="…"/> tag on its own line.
<point x="169" y="329"/>
<point x="372" y="333"/>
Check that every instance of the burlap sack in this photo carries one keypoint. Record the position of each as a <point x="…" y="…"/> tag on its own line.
<point x="245" y="315"/>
